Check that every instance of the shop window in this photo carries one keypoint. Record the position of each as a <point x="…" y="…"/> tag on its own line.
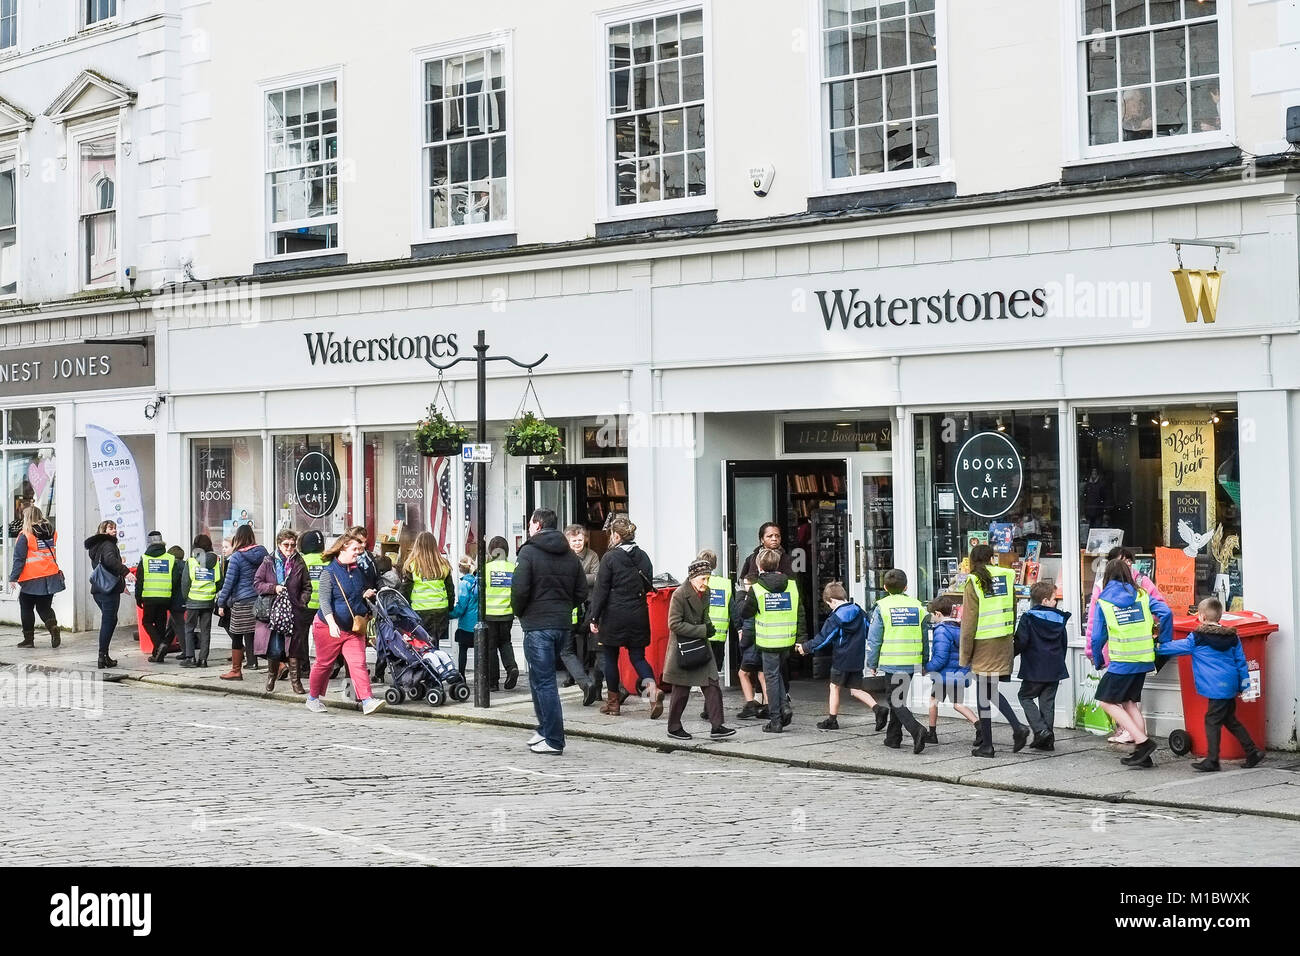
<point x="987" y="477"/>
<point x="226" y="477"/>
<point x="27" y="448"/>
<point x="313" y="481"/>
<point x="1163" y="483"/>
<point x="301" y="168"/>
<point x="407" y="493"/>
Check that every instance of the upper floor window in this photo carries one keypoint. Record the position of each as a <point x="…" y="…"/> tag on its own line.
<point x="8" y="229"/>
<point x="302" y="182"/>
<point x="99" y="10"/>
<point x="655" y="111"/>
<point x="465" y="157"/>
<point x="8" y="24"/>
<point x="97" y="210"/>
<point x="1151" y="69"/>
<point x="880" y="86"/>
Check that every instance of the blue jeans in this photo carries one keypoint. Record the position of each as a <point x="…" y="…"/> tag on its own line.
<point x="108" y="605"/>
<point x="541" y="651"/>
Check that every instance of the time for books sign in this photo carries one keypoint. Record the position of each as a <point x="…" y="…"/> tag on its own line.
<point x="989" y="474"/>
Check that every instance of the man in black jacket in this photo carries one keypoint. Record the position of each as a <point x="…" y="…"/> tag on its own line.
<point x="547" y="586"/>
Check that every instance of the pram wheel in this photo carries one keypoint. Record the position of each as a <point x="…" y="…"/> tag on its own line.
<point x="460" y="692"/>
<point x="1180" y="742"/>
<point x="393" y="695"/>
<point x="435" y="697"/>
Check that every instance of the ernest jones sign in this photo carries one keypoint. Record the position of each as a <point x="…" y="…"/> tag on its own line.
<point x="75" y="368"/>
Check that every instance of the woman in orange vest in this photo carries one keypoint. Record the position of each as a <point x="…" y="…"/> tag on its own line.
<point x="37" y="575"/>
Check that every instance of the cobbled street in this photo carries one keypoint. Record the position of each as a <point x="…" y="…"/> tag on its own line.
<point x="162" y="777"/>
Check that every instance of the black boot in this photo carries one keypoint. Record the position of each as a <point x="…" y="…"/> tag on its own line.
<point x="29" y="639"/>
<point x="105" y="660"/>
<point x="984" y="739"/>
<point x="931" y="735"/>
<point x="52" y="625"/>
<point x="882" y="716"/>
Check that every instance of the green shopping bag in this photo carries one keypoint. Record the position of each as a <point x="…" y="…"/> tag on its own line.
<point x="1088" y="714"/>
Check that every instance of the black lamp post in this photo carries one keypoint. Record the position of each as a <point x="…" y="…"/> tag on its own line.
<point x="482" y="696"/>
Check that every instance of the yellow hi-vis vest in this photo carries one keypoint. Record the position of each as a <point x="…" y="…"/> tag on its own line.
<point x="203" y="580"/>
<point x="719" y="606"/>
<point x="1129" y="631"/>
<point x="778" y="616"/>
<point x="156" y="576"/>
<point x="428" y="595"/>
<point x="902" y="644"/>
<point x="500" y="574"/>
<point x="315" y="562"/>
<point x="997" y="611"/>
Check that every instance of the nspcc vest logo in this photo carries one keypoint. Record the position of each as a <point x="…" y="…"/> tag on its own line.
<point x="904" y="616"/>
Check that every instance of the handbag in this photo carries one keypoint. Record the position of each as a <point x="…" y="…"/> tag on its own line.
<point x="281" y="617"/>
<point x="262" y="608"/>
<point x="1088" y="714"/>
<point x="360" y="622"/>
<point x="102" y="580"/>
<point x="693" y="652"/>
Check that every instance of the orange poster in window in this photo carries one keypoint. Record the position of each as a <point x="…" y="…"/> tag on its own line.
<point x="1176" y="579"/>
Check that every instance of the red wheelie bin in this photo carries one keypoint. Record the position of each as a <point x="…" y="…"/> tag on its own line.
<point x="657" y="601"/>
<point x="1253" y="629"/>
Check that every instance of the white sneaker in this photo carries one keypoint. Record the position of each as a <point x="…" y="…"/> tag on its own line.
<point x="315" y="705"/>
<point x="542" y="747"/>
<point x="535" y="739"/>
<point x="370" y="705"/>
<point x="1123" y="737"/>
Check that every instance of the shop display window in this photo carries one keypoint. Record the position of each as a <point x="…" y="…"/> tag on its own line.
<point x="987" y="477"/>
<point x="313" y="481"/>
<point x="407" y="493"/>
<point x="226" y="477"/>
<point x="27" y="447"/>
<point x="1163" y="482"/>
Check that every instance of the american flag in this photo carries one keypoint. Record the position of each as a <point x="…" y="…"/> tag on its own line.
<point x="440" y="507"/>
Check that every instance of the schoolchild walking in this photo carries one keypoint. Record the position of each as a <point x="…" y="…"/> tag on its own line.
<point x="778" y="621"/>
<point x="845" y="630"/>
<point x="896" y="645"/>
<point x="426" y="580"/>
<point x="988" y="644"/>
<point x="157" y="579"/>
<point x="465" y="613"/>
<point x="1219" y="669"/>
<point x="200" y="581"/>
<point x="1041" y="641"/>
<point x="498" y="574"/>
<point x="949" y="679"/>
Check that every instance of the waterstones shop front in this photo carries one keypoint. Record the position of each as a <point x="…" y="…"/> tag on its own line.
<point x="889" y="394"/>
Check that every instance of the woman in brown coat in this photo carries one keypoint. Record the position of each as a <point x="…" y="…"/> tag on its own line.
<point x="990" y="660"/>
<point x="688" y="619"/>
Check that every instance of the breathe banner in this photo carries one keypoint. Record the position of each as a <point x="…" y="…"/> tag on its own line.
<point x="117" y="486"/>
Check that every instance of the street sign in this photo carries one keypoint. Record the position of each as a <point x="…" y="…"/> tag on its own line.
<point x="474" y="453"/>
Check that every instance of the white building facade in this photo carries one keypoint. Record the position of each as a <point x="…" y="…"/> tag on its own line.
<point x="895" y="275"/>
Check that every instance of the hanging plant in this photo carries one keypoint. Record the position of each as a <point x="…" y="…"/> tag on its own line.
<point x="530" y="435"/>
<point x="435" y="434"/>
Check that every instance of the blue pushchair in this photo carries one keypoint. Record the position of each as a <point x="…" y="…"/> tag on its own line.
<point x="417" y="669"/>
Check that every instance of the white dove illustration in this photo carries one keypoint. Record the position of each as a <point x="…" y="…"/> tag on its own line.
<point x="1193" y="540"/>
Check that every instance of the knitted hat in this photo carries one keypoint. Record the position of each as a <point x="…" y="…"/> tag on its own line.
<point x="698" y="567"/>
<point x="155" y="537"/>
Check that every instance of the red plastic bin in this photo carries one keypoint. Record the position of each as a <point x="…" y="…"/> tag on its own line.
<point x="657" y="602"/>
<point x="1253" y="629"/>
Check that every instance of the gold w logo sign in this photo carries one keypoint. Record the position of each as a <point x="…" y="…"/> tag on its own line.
<point x="1198" y="290"/>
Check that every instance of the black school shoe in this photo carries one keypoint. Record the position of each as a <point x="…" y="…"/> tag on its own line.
<point x="931" y="735"/>
<point x="1254" y="758"/>
<point x="773" y="726"/>
<point x="1206" y="766"/>
<point x="680" y="734"/>
<point x="983" y="752"/>
<point x="786" y="717"/>
<point x="918" y="740"/>
<point x="1141" y="755"/>
<point x="830" y="723"/>
<point x="882" y="716"/>
<point x="717" y="733"/>
<point x="1043" y="742"/>
<point x="1019" y="739"/>
<point x="749" y="711"/>
<point x="512" y="678"/>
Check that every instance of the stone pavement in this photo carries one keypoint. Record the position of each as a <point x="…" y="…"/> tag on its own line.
<point x="1082" y="766"/>
<point x="157" y="776"/>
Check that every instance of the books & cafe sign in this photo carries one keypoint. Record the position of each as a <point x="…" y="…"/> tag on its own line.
<point x="989" y="474"/>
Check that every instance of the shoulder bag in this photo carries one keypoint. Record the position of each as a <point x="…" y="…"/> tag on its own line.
<point x="102" y="580"/>
<point x="262" y="608"/>
<point x="693" y="652"/>
<point x="360" y="622"/>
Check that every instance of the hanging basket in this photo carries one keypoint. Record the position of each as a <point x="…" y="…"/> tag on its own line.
<point x="530" y="435"/>
<point x="437" y="436"/>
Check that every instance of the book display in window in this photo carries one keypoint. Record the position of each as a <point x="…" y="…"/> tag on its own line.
<point x="877" y="533"/>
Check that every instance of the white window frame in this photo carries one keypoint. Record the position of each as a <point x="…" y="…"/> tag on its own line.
<point x="1076" y="148"/>
<point x="422" y="226"/>
<point x="9" y="159"/>
<point x="111" y="126"/>
<point x="264" y="252"/>
<point x="823" y="184"/>
<point x="18" y="22"/>
<point x="84" y="23"/>
<point x="606" y="208"/>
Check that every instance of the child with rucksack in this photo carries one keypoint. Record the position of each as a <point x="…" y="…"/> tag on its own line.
<point x="949" y="679"/>
<point x="846" y="629"/>
<point x="1219" y="667"/>
<point x="1041" y="642"/>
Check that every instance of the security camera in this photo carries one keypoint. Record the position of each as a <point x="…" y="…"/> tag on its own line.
<point x="760" y="178"/>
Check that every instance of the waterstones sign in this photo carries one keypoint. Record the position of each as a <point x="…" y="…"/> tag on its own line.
<point x="852" y="308"/>
<point x="326" y="348"/>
